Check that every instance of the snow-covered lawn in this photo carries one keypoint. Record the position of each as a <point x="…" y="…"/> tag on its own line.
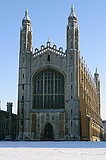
<point x="52" y="150"/>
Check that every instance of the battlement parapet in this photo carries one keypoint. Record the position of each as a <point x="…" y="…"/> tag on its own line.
<point x="48" y="47"/>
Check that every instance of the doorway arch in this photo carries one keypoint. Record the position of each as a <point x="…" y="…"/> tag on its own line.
<point x="48" y="132"/>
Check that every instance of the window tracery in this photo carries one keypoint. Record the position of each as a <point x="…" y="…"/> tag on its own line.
<point x="48" y="90"/>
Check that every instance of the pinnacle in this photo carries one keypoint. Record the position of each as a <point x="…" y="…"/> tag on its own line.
<point x="72" y="12"/>
<point x="26" y="15"/>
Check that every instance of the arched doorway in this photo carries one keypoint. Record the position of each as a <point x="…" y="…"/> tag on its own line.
<point x="48" y="132"/>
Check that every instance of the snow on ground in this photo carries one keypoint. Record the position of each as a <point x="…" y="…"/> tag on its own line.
<point x="33" y="150"/>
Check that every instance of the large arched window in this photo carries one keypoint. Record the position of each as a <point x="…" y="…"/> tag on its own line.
<point x="48" y="90"/>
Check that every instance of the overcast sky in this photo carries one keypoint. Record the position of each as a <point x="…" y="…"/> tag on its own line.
<point x="49" y="20"/>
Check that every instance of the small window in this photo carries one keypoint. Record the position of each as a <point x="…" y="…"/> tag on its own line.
<point x="71" y="111"/>
<point x="22" y="111"/>
<point x="71" y="77"/>
<point x="48" y="58"/>
<point x="22" y="98"/>
<point x="23" y="75"/>
<point x="71" y="44"/>
<point x="22" y="86"/>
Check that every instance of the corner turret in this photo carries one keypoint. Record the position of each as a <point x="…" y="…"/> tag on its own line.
<point x="72" y="31"/>
<point x="24" y="77"/>
<point x="97" y="81"/>
<point x="26" y="34"/>
<point x="72" y="60"/>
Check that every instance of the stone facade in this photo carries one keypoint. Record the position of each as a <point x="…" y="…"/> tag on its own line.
<point x="57" y="98"/>
<point x="8" y="123"/>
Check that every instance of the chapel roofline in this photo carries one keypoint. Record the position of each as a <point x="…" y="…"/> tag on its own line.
<point x="83" y="66"/>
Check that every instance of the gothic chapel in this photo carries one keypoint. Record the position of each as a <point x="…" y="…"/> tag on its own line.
<point x="58" y="98"/>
